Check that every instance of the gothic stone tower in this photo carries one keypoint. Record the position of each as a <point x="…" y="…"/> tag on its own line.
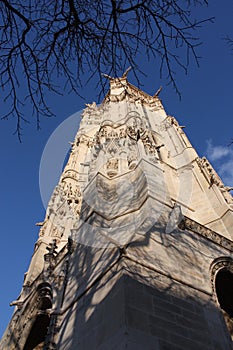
<point x="135" y="251"/>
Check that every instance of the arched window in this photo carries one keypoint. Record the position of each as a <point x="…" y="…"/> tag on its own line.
<point x="37" y="335"/>
<point x="224" y="292"/>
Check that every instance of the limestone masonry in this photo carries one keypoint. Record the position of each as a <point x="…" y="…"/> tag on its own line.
<point x="135" y="251"/>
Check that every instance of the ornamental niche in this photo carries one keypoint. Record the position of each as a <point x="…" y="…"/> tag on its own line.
<point x="117" y="149"/>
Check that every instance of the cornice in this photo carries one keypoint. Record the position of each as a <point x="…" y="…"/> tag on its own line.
<point x="189" y="224"/>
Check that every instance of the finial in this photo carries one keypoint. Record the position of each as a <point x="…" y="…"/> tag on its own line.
<point x="126" y="72"/>
<point x="107" y="76"/>
<point x="123" y="76"/>
<point x="158" y="92"/>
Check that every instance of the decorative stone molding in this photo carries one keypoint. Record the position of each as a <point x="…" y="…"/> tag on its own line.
<point x="218" y="264"/>
<point x="194" y="226"/>
<point x="112" y="167"/>
<point x="72" y="174"/>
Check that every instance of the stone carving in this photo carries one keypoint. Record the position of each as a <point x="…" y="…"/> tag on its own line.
<point x="213" y="179"/>
<point x="93" y="114"/>
<point x="169" y="122"/>
<point x="132" y="160"/>
<point x="91" y="110"/>
<point x="208" y="171"/>
<point x="111" y="142"/>
<point x="83" y="139"/>
<point x="50" y="259"/>
<point x="226" y="195"/>
<point x="135" y="127"/>
<point x="166" y="124"/>
<point x="73" y="174"/>
<point x="54" y="201"/>
<point x="43" y="228"/>
<point x="57" y="231"/>
<point x="172" y="121"/>
<point x="192" y="225"/>
<point x="108" y="132"/>
<point x="112" y="167"/>
<point x="112" y="147"/>
<point x="73" y="197"/>
<point x="52" y="249"/>
<point x="150" y="144"/>
<point x="65" y="202"/>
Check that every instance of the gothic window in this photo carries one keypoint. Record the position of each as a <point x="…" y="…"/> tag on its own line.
<point x="37" y="335"/>
<point x="224" y="291"/>
<point x="39" y="329"/>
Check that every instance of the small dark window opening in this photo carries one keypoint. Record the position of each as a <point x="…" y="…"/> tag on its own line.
<point x="224" y="291"/>
<point x="37" y="335"/>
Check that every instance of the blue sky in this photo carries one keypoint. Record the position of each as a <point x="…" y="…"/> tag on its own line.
<point x="206" y="109"/>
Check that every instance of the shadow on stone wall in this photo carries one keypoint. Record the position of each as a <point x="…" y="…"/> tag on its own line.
<point x="151" y="294"/>
<point x="131" y="306"/>
<point x="137" y="316"/>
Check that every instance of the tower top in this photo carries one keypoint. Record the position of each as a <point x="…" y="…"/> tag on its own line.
<point x="120" y="89"/>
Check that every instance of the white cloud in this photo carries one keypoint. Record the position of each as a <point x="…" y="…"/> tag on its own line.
<point x="217" y="152"/>
<point x="221" y="158"/>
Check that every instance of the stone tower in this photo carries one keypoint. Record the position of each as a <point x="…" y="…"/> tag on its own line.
<point x="135" y="251"/>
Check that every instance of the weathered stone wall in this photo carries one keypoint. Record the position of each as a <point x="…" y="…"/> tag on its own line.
<point x="155" y="294"/>
<point x="138" y="316"/>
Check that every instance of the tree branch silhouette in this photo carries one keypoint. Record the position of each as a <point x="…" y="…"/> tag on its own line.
<point x="56" y="46"/>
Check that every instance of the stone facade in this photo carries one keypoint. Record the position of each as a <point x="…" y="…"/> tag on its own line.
<point x="135" y="251"/>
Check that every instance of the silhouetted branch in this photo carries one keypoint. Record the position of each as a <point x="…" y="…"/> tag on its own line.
<point x="229" y="41"/>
